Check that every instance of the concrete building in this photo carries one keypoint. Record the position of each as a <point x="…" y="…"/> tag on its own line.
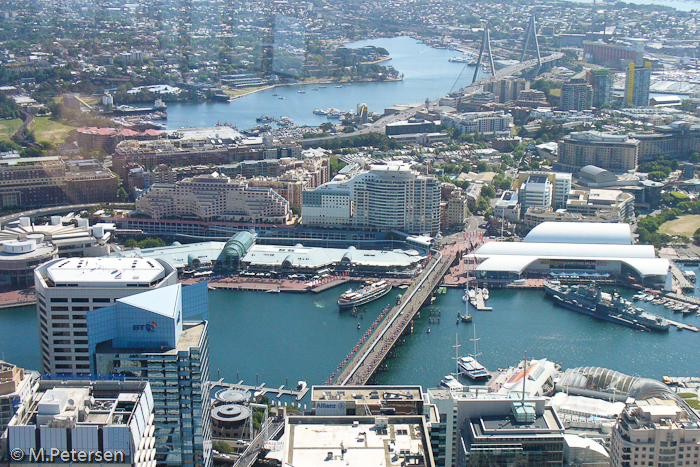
<point x="562" y="188"/>
<point x="656" y="432"/>
<point x="615" y="203"/>
<point x="537" y="190"/>
<point x="66" y="289"/>
<point x="535" y="216"/>
<point x="49" y="181"/>
<point x="162" y="336"/>
<point x="408" y="127"/>
<point x="15" y="389"/>
<point x="508" y="207"/>
<point x="508" y="89"/>
<point x="616" y="55"/>
<point x="637" y="85"/>
<point x="576" y="95"/>
<point x="386" y="197"/>
<point x="678" y="139"/>
<point x="496" y="124"/>
<point x="214" y="196"/>
<point x="457" y="210"/>
<point x="485" y="429"/>
<point x="383" y="441"/>
<point x="617" y="153"/>
<point x="24" y="246"/>
<point x="601" y="81"/>
<point x="84" y="422"/>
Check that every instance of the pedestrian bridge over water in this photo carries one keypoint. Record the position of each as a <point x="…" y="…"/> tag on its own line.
<point x="364" y="361"/>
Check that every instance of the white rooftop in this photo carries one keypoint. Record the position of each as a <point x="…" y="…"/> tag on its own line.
<point x="318" y="445"/>
<point x="580" y="232"/>
<point x="162" y="301"/>
<point x="110" y="272"/>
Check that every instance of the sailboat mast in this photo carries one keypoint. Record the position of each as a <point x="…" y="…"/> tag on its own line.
<point x="475" y="340"/>
<point x="457" y="354"/>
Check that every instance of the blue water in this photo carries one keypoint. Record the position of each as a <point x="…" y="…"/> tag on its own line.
<point x="427" y="74"/>
<point x="682" y="5"/>
<point x="282" y="338"/>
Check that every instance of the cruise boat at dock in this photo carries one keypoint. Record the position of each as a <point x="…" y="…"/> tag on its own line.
<point x="364" y="295"/>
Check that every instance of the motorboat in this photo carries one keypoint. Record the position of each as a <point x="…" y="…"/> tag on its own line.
<point x="451" y="383"/>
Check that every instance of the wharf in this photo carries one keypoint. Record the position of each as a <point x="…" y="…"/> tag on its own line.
<point x="480" y="303"/>
<point x="329" y="285"/>
<point x="675" y="380"/>
<point x="683" y="298"/>
<point x="680" y="278"/>
<point x="682" y="326"/>
<point x="16" y="303"/>
<point x="262" y="390"/>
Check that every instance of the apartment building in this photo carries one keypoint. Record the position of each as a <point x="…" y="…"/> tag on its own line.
<point x="386" y="197"/>
<point x="616" y="153"/>
<point x="214" y="196"/>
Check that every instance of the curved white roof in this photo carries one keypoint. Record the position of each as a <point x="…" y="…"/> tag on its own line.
<point x="580" y="232"/>
<point x="564" y="250"/>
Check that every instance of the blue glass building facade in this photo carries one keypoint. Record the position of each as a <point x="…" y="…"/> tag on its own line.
<point x="153" y="336"/>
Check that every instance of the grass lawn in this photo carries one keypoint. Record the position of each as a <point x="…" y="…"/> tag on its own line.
<point x="685" y="225"/>
<point x="8" y="128"/>
<point x="46" y="129"/>
<point x="691" y="398"/>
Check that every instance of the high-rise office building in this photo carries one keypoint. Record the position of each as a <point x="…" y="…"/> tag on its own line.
<point x="386" y="197"/>
<point x="655" y="432"/>
<point x="576" y="95"/>
<point x="68" y="288"/>
<point x="162" y="336"/>
<point x="84" y="422"/>
<point x="637" y="85"/>
<point x="601" y="81"/>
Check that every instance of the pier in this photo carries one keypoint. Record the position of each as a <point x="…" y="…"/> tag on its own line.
<point x="368" y="356"/>
<point x="680" y="278"/>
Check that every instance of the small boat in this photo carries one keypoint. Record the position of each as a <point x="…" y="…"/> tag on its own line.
<point x="466" y="318"/>
<point x="451" y="383"/>
<point x="301" y="385"/>
<point x="649" y="298"/>
<point x="322" y="87"/>
<point x="428" y="332"/>
<point x="339" y="86"/>
<point x="358" y="325"/>
<point x="274" y="94"/>
<point x="485" y="293"/>
<point x="301" y="91"/>
<point x="281" y="97"/>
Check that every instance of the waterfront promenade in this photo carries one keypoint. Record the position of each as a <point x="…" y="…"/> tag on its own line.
<point x="365" y="358"/>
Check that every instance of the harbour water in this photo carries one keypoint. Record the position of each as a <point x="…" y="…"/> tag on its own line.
<point x="427" y="74"/>
<point x="282" y="338"/>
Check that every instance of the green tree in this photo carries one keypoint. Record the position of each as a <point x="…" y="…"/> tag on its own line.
<point x="488" y="191"/>
<point x="131" y="243"/>
<point x="122" y="194"/>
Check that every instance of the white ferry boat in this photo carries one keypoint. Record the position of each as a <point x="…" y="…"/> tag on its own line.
<point x="364" y="295"/>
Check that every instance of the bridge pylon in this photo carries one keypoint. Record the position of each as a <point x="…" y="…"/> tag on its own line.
<point x="485" y="44"/>
<point x="532" y="34"/>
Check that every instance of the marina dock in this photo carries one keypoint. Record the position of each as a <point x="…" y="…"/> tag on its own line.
<point x="262" y="390"/>
<point x="480" y="303"/>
